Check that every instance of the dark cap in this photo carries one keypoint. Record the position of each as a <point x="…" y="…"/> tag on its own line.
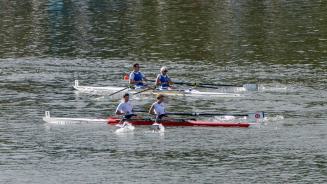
<point x="135" y="64"/>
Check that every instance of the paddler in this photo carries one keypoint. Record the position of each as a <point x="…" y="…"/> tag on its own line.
<point x="158" y="108"/>
<point x="163" y="80"/>
<point x="136" y="77"/>
<point x="125" y="108"/>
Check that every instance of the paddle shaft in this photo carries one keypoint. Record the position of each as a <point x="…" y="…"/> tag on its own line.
<point x="203" y="114"/>
<point x="148" y="89"/>
<point x="217" y="86"/>
<point x="118" y="91"/>
<point x="205" y="85"/>
<point x="197" y="114"/>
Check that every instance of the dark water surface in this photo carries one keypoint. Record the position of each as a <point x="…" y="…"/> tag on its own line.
<point x="46" y="45"/>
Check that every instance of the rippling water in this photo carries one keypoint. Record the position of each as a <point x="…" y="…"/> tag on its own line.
<point x="46" y="45"/>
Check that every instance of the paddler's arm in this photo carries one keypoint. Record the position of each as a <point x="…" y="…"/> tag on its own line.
<point x="144" y="78"/>
<point x="170" y="82"/>
<point x="118" y="110"/>
<point x="158" y="80"/>
<point x="131" y="79"/>
<point x="119" y="113"/>
<point x="151" y="110"/>
<point x="134" y="81"/>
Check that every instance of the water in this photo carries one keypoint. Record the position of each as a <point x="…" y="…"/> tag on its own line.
<point x="46" y="45"/>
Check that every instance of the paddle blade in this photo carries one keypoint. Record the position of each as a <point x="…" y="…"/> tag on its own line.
<point x="76" y="84"/>
<point x="126" y="77"/>
<point x="125" y="128"/>
<point x="251" y="87"/>
<point x="257" y="115"/>
<point x="156" y="127"/>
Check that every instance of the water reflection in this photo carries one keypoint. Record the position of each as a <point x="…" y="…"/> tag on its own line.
<point x="238" y="31"/>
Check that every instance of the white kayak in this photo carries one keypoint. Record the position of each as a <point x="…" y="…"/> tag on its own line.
<point x="174" y="92"/>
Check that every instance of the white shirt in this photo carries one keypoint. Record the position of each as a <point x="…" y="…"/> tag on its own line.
<point x="159" y="108"/>
<point x="125" y="107"/>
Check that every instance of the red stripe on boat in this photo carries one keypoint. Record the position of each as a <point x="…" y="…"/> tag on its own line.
<point x="136" y="122"/>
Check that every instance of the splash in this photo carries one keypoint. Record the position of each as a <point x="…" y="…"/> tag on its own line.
<point x="125" y="128"/>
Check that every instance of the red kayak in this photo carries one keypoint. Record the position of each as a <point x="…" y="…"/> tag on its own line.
<point x="179" y="122"/>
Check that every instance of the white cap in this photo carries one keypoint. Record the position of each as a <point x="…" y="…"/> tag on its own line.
<point x="163" y="69"/>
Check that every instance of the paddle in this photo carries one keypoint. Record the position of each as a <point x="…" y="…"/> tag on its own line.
<point x="203" y="114"/>
<point x="125" y="89"/>
<point x="118" y="91"/>
<point x="147" y="89"/>
<point x="249" y="87"/>
<point x="256" y="115"/>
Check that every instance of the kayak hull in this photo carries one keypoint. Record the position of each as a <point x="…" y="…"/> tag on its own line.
<point x="174" y="92"/>
<point x="147" y="122"/>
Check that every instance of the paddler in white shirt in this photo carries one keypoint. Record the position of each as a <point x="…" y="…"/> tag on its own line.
<point x="136" y="77"/>
<point x="163" y="80"/>
<point x="158" y="108"/>
<point x="125" y="108"/>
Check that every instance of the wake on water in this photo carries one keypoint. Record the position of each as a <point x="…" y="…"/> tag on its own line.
<point x="125" y="128"/>
<point x="264" y="121"/>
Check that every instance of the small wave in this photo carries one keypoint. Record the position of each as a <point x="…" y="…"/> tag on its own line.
<point x="274" y="118"/>
<point x="276" y="88"/>
<point x="270" y="119"/>
<point x="228" y="118"/>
